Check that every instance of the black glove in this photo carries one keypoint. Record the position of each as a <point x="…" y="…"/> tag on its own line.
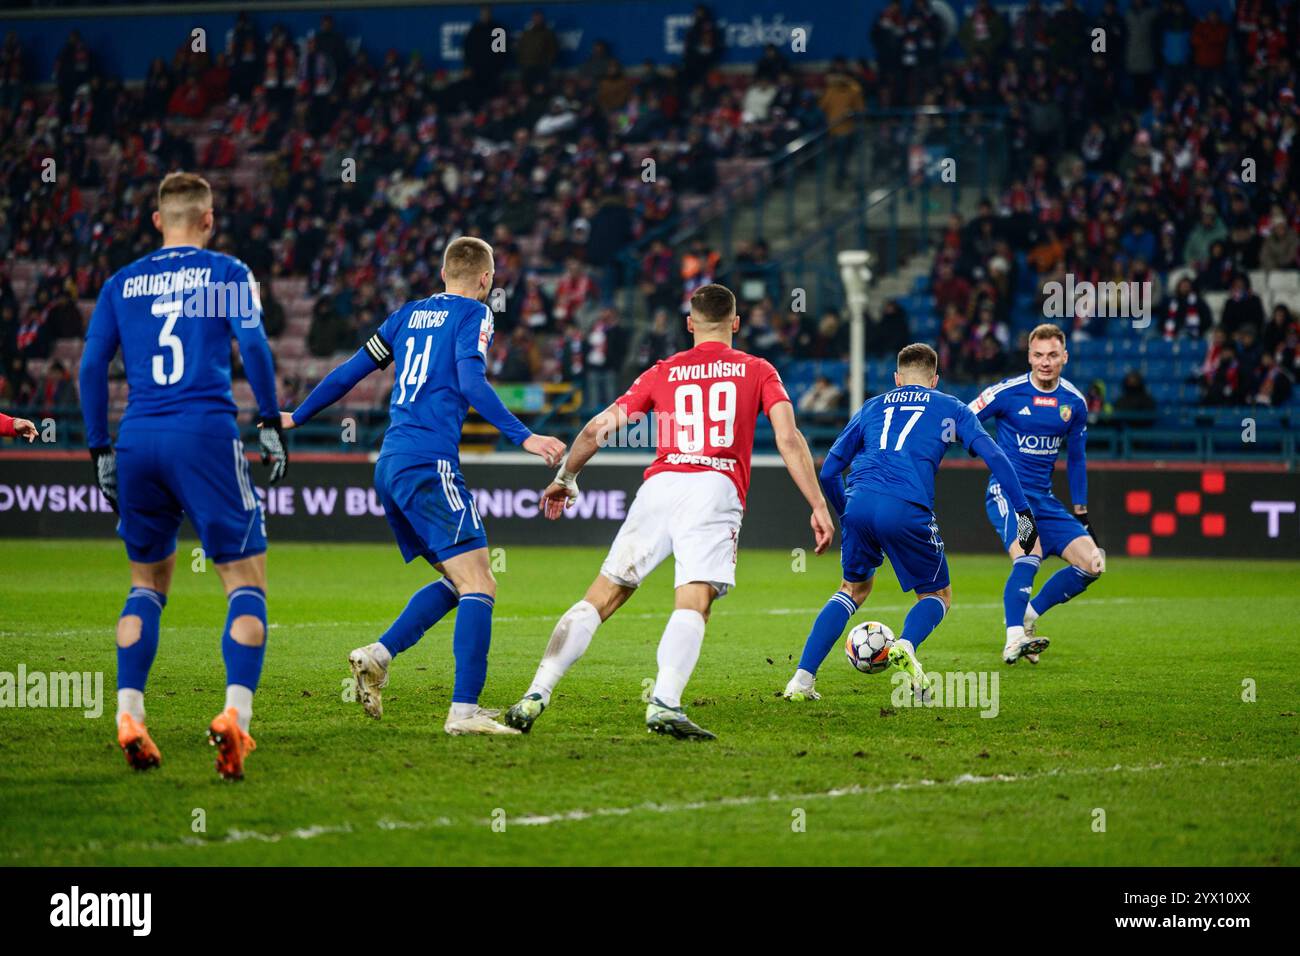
<point x="1087" y="525"/>
<point x="270" y="439"/>
<point x="1026" y="530"/>
<point x="104" y="461"/>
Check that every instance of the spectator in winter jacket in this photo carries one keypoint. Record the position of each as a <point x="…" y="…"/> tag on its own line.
<point x="1208" y="230"/>
<point x="1280" y="245"/>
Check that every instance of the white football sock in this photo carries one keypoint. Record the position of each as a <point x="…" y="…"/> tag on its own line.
<point x="241" y="698"/>
<point x="569" y="641"/>
<point x="803" y="678"/>
<point x="1015" y="633"/>
<point x="383" y="657"/>
<point x="461" y="711"/>
<point x="679" y="649"/>
<point x="1030" y="614"/>
<point x="130" y="701"/>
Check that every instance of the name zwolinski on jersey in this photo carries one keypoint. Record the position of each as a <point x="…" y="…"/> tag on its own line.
<point x="706" y="401"/>
<point x="425" y="340"/>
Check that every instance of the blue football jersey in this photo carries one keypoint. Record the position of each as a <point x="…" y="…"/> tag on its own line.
<point x="896" y="440"/>
<point x="426" y="339"/>
<point x="173" y="313"/>
<point x="1032" y="424"/>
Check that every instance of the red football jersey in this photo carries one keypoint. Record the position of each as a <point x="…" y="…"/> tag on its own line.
<point x="706" y="401"/>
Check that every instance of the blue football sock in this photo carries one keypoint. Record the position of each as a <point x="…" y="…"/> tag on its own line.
<point x="826" y="630"/>
<point x="1060" y="587"/>
<point x="1020" y="584"/>
<point x="922" y="619"/>
<point x="133" y="662"/>
<point x="470" y="641"/>
<point x="425" y="609"/>
<point x="244" y="663"/>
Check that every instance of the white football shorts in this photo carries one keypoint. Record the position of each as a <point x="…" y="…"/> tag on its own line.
<point x="694" y="516"/>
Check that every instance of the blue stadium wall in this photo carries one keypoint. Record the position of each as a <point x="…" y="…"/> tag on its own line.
<point x="638" y="30"/>
<point x="1139" y="510"/>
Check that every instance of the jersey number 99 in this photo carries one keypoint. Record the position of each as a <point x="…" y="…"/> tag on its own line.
<point x="691" y="422"/>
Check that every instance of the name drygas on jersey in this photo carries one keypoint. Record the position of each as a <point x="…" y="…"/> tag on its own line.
<point x="427" y="318"/>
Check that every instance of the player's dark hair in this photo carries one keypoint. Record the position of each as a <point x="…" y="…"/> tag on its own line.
<point x="1047" y="331"/>
<point x="466" y="258"/>
<point x="918" y="356"/>
<point x="183" y="198"/>
<point x="713" y="304"/>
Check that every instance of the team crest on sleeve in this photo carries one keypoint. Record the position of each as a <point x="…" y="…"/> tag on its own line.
<point x="982" y="401"/>
<point x="1065" y="413"/>
<point x="485" y="330"/>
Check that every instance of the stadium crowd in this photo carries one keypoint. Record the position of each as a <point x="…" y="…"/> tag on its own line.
<point x="1178" y="170"/>
<point x="351" y="174"/>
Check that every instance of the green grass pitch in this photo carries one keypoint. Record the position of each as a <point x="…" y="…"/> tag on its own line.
<point x="1136" y="712"/>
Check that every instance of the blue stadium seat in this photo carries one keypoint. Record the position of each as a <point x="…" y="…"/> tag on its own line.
<point x="1163" y="392"/>
<point x="1157" y="369"/>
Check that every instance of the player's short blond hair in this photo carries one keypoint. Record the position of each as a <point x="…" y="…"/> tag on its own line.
<point x="713" y="304"/>
<point x="183" y="198"/>
<point x="1047" y="331"/>
<point x="918" y="357"/>
<point x="465" y="259"/>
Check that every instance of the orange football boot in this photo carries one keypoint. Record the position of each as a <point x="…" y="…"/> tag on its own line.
<point x="232" y="742"/>
<point x="138" y="747"/>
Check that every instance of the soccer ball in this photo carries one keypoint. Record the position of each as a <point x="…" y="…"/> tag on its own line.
<point x="868" y="647"/>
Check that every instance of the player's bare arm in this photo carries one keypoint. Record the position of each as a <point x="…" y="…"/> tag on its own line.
<point x="798" y="461"/>
<point x="563" y="491"/>
<point x="17" y="428"/>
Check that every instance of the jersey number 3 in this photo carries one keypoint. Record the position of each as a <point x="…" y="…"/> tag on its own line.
<point x="168" y="340"/>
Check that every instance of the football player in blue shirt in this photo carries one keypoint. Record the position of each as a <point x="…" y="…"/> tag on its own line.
<point x="440" y="345"/>
<point x="892" y="448"/>
<point x="178" y="452"/>
<point x="1035" y="413"/>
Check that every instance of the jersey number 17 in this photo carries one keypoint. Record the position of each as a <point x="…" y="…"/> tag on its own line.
<point x="916" y="410"/>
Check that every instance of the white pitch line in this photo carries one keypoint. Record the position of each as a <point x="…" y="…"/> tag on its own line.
<point x="578" y="815"/>
<point x="854" y="790"/>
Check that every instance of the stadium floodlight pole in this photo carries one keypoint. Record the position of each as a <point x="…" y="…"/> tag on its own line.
<point x="855" y="274"/>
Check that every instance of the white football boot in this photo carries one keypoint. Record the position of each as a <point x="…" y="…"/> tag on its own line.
<point x="801" y="688"/>
<point x="1025" y="644"/>
<point x="371" y="678"/>
<point x="480" y="722"/>
<point x="1031" y="633"/>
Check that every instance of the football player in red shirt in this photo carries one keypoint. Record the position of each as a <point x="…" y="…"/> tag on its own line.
<point x="706" y="401"/>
